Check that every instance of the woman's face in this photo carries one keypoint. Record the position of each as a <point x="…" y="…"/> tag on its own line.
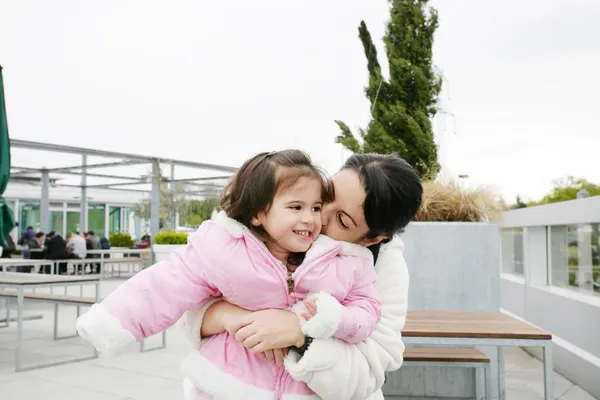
<point x="344" y="218"/>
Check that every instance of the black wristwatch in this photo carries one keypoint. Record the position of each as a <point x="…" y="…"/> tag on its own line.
<point x="301" y="350"/>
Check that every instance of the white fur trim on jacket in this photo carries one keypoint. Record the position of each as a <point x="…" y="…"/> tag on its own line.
<point x="324" y="243"/>
<point x="299" y="368"/>
<point x="104" y="331"/>
<point x="223" y="386"/>
<point x="234" y="227"/>
<point x="362" y="366"/>
<point x="324" y="324"/>
<point x="191" y="322"/>
<point x="188" y="389"/>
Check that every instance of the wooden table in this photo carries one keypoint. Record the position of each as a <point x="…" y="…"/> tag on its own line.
<point x="471" y="328"/>
<point x="22" y="281"/>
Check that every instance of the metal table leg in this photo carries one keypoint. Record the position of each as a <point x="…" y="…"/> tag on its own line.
<point x="501" y="391"/>
<point x="20" y="302"/>
<point x="487" y="377"/>
<point x="55" y="321"/>
<point x="548" y="388"/>
<point x="5" y="304"/>
<point x="97" y="284"/>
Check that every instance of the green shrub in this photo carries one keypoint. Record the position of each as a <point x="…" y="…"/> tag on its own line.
<point x="573" y="279"/>
<point x="120" y="240"/>
<point x="171" y="238"/>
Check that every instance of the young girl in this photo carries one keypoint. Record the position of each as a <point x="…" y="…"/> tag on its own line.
<point x="262" y="251"/>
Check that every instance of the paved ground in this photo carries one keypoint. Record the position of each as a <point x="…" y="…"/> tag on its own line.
<point x="155" y="375"/>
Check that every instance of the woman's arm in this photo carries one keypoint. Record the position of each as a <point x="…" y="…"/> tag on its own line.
<point x="280" y="328"/>
<point x="210" y="319"/>
<point x="362" y="366"/>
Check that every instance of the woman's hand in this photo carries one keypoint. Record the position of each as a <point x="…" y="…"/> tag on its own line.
<point x="267" y="330"/>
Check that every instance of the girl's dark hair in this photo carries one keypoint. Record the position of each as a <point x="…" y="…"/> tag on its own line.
<point x="255" y="184"/>
<point x="394" y="193"/>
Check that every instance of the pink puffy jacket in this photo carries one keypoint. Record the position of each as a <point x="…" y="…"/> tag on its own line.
<point x="224" y="259"/>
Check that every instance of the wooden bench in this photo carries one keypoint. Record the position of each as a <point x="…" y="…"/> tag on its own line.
<point x="451" y="357"/>
<point x="51" y="298"/>
<point x="68" y="300"/>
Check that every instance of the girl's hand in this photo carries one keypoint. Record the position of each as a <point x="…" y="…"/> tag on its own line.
<point x="276" y="355"/>
<point x="268" y="330"/>
<point x="311" y="306"/>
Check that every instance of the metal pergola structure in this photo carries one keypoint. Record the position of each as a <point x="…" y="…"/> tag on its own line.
<point x="206" y="186"/>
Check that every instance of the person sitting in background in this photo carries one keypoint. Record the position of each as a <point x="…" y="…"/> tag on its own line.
<point x="35" y="251"/>
<point x="56" y="249"/>
<point x="36" y="246"/>
<point x="76" y="247"/>
<point x="93" y="243"/>
<point x="27" y="237"/>
<point x="38" y="241"/>
<point x="104" y="243"/>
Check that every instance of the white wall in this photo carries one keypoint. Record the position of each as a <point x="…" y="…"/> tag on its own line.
<point x="573" y="317"/>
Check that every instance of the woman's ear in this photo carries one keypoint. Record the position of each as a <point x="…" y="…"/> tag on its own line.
<point x="371" y="241"/>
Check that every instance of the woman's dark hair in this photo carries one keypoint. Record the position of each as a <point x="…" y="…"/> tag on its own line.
<point x="394" y="193"/>
<point x="255" y="184"/>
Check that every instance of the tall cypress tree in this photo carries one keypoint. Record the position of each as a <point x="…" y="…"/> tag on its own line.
<point x="403" y="106"/>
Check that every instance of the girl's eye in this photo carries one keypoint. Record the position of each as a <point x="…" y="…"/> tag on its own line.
<point x="297" y="208"/>
<point x="341" y="221"/>
<point x="317" y="208"/>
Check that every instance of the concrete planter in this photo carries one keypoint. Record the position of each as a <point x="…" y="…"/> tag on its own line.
<point x="118" y="255"/>
<point x="163" y="251"/>
<point x="452" y="266"/>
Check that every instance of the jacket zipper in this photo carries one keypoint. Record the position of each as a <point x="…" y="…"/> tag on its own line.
<point x="292" y="278"/>
<point x="290" y="281"/>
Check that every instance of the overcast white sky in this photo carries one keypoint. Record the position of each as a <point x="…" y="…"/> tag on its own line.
<point x="219" y="81"/>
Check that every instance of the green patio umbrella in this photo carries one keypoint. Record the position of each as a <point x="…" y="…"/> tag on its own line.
<point x="7" y="218"/>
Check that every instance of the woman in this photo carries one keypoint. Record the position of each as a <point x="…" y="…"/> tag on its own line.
<point x="376" y="196"/>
